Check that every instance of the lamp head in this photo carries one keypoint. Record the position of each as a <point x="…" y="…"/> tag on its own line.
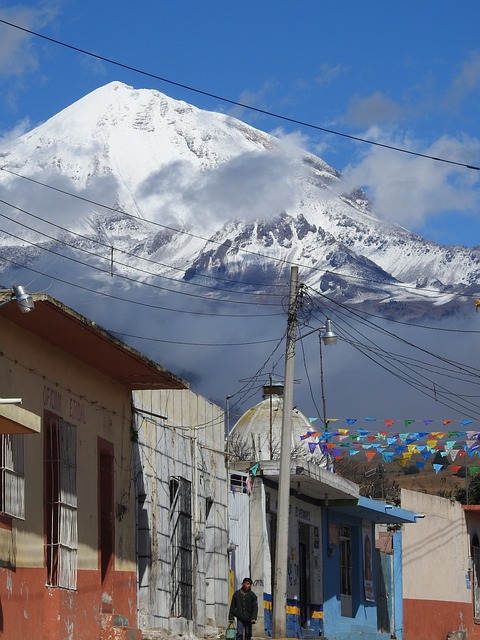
<point x="24" y="300"/>
<point x="328" y="336"/>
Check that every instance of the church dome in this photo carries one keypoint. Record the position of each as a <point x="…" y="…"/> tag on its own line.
<point x="257" y="434"/>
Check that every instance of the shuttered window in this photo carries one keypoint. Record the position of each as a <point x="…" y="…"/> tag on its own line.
<point x="181" y="546"/>
<point x="12" y="476"/>
<point x="61" y="503"/>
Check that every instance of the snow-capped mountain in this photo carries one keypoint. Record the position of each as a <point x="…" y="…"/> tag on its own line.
<point x="192" y="195"/>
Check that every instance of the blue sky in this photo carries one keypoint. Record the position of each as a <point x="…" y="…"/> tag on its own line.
<point x="403" y="74"/>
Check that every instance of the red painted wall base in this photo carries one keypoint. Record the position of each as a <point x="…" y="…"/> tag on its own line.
<point x="433" y="619"/>
<point x="29" y="609"/>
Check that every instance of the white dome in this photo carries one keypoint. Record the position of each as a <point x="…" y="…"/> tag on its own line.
<point x="257" y="434"/>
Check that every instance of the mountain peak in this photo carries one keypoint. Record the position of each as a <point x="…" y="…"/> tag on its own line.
<point x="259" y="202"/>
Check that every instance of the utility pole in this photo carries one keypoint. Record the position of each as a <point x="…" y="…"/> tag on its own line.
<point x="283" y="502"/>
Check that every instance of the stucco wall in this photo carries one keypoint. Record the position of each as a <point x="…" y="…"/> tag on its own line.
<point x="47" y="379"/>
<point x="189" y="443"/>
<point x="435" y="550"/>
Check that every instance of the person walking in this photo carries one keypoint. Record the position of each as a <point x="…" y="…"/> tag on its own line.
<point x="244" y="607"/>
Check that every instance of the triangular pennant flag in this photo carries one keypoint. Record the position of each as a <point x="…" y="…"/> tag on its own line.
<point x="313" y="419"/>
<point x="254" y="469"/>
<point x="351" y="420"/>
<point x="465" y="422"/>
<point x="437" y="467"/>
<point x="453" y="454"/>
<point x="408" y="422"/>
<point x="445" y="422"/>
<point x="419" y="464"/>
<point x="455" y="468"/>
<point x="312" y="446"/>
<point x="387" y="456"/>
<point x="370" y="454"/>
<point x="427" y="422"/>
<point x="388" y="423"/>
<point x="473" y="470"/>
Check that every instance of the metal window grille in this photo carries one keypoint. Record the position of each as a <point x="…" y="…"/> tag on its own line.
<point x="12" y="475"/>
<point x="346" y="569"/>
<point x="181" y="545"/>
<point x="61" y="504"/>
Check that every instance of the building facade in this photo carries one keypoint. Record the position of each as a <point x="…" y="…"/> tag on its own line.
<point x="67" y="523"/>
<point x="441" y="568"/>
<point x="181" y="491"/>
<point x="340" y="585"/>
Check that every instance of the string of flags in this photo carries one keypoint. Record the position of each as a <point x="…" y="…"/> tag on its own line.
<point x="405" y="447"/>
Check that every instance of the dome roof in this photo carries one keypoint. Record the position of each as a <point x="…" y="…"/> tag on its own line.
<point x="257" y="434"/>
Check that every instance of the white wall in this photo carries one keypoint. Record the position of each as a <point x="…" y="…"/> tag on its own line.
<point x="435" y="549"/>
<point x="189" y="443"/>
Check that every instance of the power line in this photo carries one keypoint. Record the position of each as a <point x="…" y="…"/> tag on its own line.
<point x="130" y="215"/>
<point x="406" y="369"/>
<point x="235" y="102"/>
<point x="282" y="261"/>
<point x="130" y="267"/>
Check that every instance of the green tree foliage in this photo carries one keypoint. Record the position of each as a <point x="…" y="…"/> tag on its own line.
<point x="473" y="494"/>
<point x="411" y="470"/>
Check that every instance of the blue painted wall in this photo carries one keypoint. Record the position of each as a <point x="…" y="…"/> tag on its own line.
<point x="398" y="584"/>
<point x="363" y="623"/>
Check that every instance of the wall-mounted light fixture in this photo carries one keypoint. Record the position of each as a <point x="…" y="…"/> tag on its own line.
<point x="24" y="300"/>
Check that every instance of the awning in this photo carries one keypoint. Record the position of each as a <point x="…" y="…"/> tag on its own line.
<point x="14" y="419"/>
<point x="308" y="480"/>
<point x="377" y="511"/>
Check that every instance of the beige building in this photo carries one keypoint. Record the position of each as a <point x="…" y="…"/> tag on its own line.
<point x="67" y="521"/>
<point x="441" y="568"/>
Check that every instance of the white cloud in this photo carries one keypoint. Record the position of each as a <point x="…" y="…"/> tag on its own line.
<point x="329" y="73"/>
<point x="467" y="80"/>
<point x="250" y="186"/>
<point x="20" y="128"/>
<point x="373" y="109"/>
<point x="17" y="48"/>
<point x="409" y="190"/>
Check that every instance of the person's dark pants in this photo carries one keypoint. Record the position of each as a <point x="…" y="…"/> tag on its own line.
<point x="244" y="630"/>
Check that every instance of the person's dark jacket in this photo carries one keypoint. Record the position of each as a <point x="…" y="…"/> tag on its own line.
<point x="244" y="606"/>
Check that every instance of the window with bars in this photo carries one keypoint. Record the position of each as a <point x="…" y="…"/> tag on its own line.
<point x="346" y="569"/>
<point x="12" y="476"/>
<point x="181" y="546"/>
<point x="61" y="503"/>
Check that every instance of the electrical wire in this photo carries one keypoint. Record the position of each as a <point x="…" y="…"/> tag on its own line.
<point x="282" y="261"/>
<point x="402" y="371"/>
<point x="119" y="275"/>
<point x="236" y="103"/>
<point x="203" y="274"/>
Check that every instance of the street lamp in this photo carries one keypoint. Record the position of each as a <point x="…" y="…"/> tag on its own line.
<point x="329" y="338"/>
